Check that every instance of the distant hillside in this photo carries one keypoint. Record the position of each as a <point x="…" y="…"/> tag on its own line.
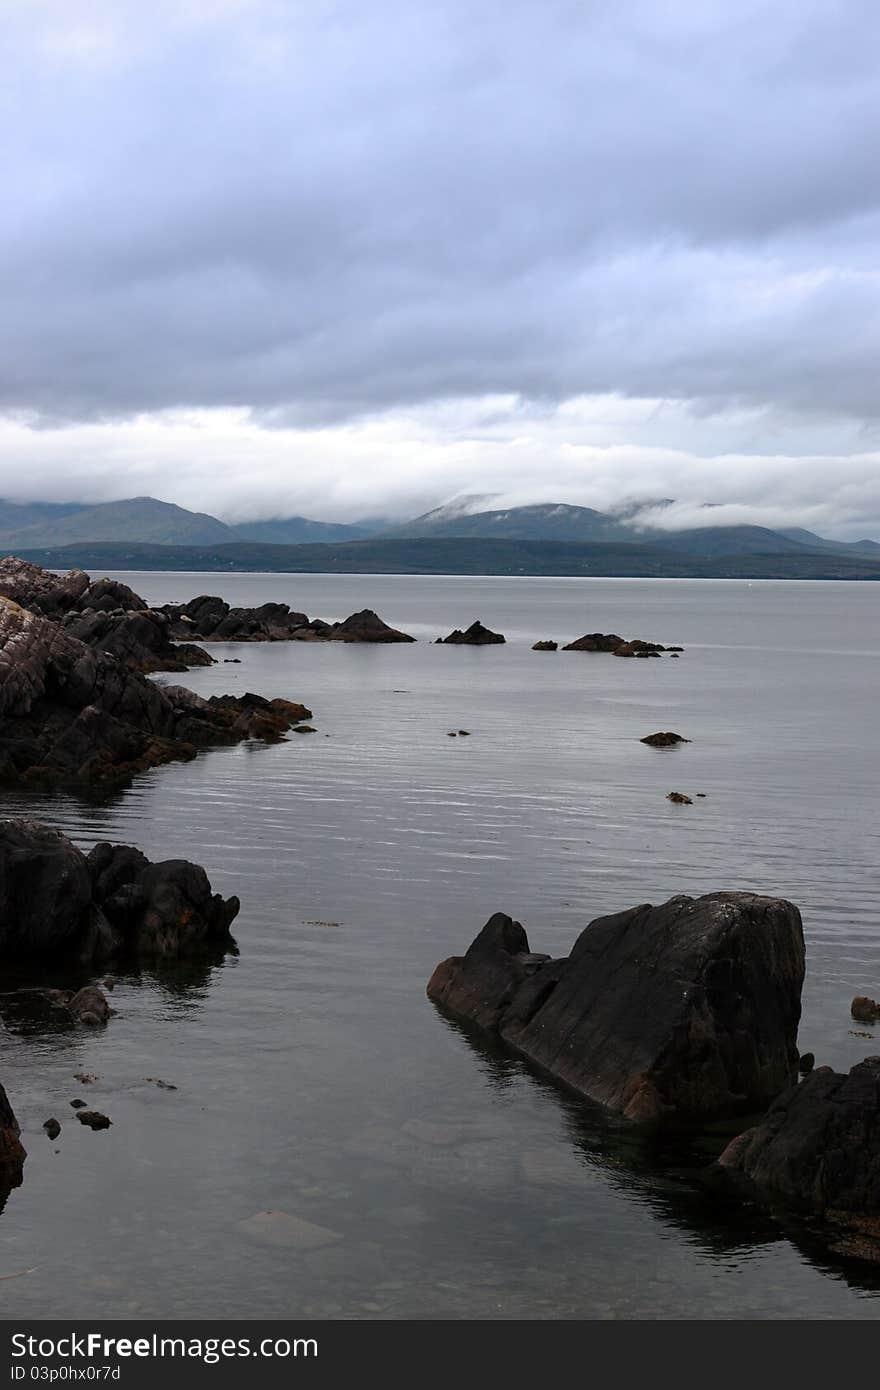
<point x="139" y="518"/>
<point x="148" y="521"/>
<point x="453" y="555"/>
<point x="724" y="540"/>
<point x="555" y="521"/>
<point x="814" y="542"/>
<point x="15" y="517"/>
<point x="297" y="530"/>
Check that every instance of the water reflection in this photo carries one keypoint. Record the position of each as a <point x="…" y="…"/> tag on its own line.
<point x="668" y="1172"/>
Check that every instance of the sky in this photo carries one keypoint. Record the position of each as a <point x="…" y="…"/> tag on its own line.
<point x="264" y="257"/>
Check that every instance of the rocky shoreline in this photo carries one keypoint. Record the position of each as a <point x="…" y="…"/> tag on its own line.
<point x="685" y="1016"/>
<point x="63" y="912"/>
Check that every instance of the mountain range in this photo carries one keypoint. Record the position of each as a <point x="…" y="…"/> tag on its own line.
<point x="541" y="539"/>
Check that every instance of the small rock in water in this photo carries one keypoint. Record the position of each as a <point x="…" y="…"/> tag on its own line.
<point x="806" y="1062"/>
<point x="665" y="739"/>
<point x="52" y="1128"/>
<point x="452" y="734"/>
<point x="78" y="1104"/>
<point x="85" y="1077"/>
<point x="89" y="1006"/>
<point x="545" y="646"/>
<point x="304" y="729"/>
<point x="679" y="798"/>
<point x="94" y="1119"/>
<point x="865" y="1010"/>
<point x="464" y="733"/>
<point x="163" y="1085"/>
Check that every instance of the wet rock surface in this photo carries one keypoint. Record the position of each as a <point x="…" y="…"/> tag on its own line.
<point x="665" y="739"/>
<point x="69" y="714"/>
<point x="817" y="1149"/>
<point x="57" y="903"/>
<point x="684" y="1012"/>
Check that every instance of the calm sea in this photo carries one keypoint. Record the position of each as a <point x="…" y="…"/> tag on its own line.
<point x="411" y="1171"/>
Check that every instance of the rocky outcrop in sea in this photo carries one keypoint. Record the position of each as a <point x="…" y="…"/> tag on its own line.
<point x="71" y="714"/>
<point x="682" y="1013"/>
<point x="58" y="904"/>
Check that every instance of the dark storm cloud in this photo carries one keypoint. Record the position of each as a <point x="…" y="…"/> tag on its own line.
<point x="320" y="209"/>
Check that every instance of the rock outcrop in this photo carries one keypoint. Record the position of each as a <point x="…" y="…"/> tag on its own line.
<point x="545" y="646"/>
<point x="103" y="613"/>
<point x="474" y="636"/>
<point x="366" y="626"/>
<point x="58" y="904"/>
<point x="864" y="1009"/>
<point x="617" y="645"/>
<point x="680" y="1013"/>
<point x="210" y="619"/>
<point x="596" y="642"/>
<point x="12" y="1154"/>
<point x="817" y="1150"/>
<point x="70" y="714"/>
<point x="665" y="739"/>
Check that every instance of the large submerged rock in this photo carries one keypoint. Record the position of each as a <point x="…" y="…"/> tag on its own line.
<point x="57" y="903"/>
<point x="103" y="613"/>
<point x="817" y="1150"/>
<point x="71" y="714"/>
<point x="678" y="1013"/>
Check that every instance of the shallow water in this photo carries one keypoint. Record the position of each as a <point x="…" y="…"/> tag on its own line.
<point x="315" y="1079"/>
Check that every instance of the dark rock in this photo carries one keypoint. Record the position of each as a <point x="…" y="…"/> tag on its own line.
<point x="52" y="1128"/>
<point x="12" y="1153"/>
<point x="679" y="1013"/>
<point x="104" y="614"/>
<point x="366" y="626"/>
<point x="545" y="646"/>
<point x="89" y="1006"/>
<point x="56" y="903"/>
<point x="596" y="642"/>
<point x="664" y="740"/>
<point x="71" y="714"/>
<point x="94" y="1119"/>
<point x="464" y="733"/>
<point x="806" y="1063"/>
<point x="817" y="1149"/>
<point x="46" y="905"/>
<point x="679" y="798"/>
<point x="865" y="1010"/>
<point x="162" y="910"/>
<point x="474" y="636"/>
<point x="210" y="619"/>
<point x="639" y="648"/>
<point x="78" y="1104"/>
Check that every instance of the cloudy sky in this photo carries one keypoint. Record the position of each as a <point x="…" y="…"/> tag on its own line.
<point x="347" y="258"/>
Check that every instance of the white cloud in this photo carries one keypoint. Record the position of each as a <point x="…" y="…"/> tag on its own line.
<point x="399" y="463"/>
